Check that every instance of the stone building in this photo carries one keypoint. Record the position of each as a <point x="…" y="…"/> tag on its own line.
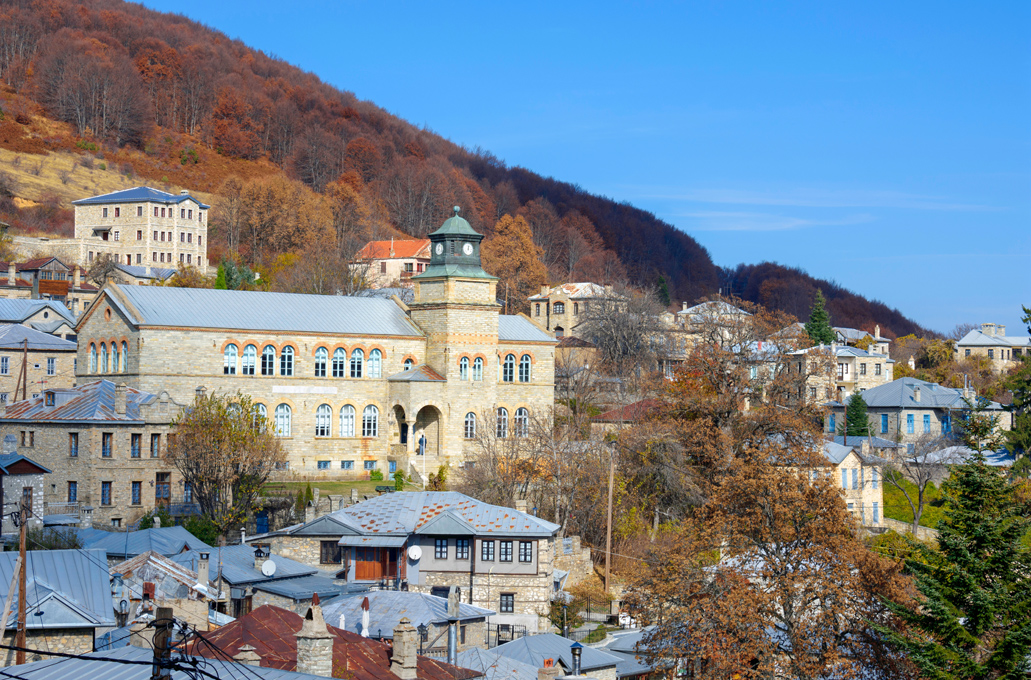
<point x="21" y="480"/>
<point x="138" y="226"/>
<point x="839" y="371"/>
<point x="858" y="473"/>
<point x="500" y="559"/>
<point x="991" y="341"/>
<point x="907" y="409"/>
<point x="354" y="385"/>
<point x="563" y="308"/>
<point x="47" y="278"/>
<point x="47" y="361"/>
<point x="103" y="444"/>
<point x="46" y="316"/>
<point x="394" y="262"/>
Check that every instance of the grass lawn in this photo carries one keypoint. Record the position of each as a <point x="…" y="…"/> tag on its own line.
<point x="897" y="507"/>
<point x="337" y="488"/>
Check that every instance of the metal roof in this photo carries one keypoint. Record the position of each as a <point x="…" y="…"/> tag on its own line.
<point x="403" y="513"/>
<point x="373" y="541"/>
<point x="875" y="442"/>
<point x="165" y="541"/>
<point x="960" y="455"/>
<point x="496" y="666"/>
<point x="260" y="311"/>
<point x="9" y="459"/>
<point x="139" y="195"/>
<point x="978" y="338"/>
<point x="534" y="649"/>
<point x="16" y="310"/>
<point x="900" y="394"/>
<point x="66" y="588"/>
<point x="238" y="565"/>
<point x="92" y="401"/>
<point x="302" y="587"/>
<point x="395" y="249"/>
<point x="573" y="290"/>
<point x="388" y="607"/>
<point x="418" y="373"/>
<point x="146" y="272"/>
<point x="836" y="453"/>
<point x="97" y="665"/>
<point x="515" y="328"/>
<point x="13" y="336"/>
<point x="845" y="351"/>
<point x="712" y="307"/>
<point x="456" y="225"/>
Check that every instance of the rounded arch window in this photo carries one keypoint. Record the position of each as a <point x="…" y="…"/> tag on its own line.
<point x="522" y="422"/>
<point x="125" y="357"/>
<point x="525" y="367"/>
<point x="229" y="360"/>
<point x="375" y="365"/>
<point x="323" y="418"/>
<point x="286" y="361"/>
<point x="347" y="421"/>
<point x="478" y="368"/>
<point x="321" y="359"/>
<point x="103" y="358"/>
<point x="502" y="425"/>
<point x="408" y="364"/>
<point x="339" y="363"/>
<point x="508" y="369"/>
<point x="463" y="368"/>
<point x="250" y="359"/>
<point x="370" y="421"/>
<point x="470" y="425"/>
<point x="283" y="418"/>
<point x="92" y="358"/>
<point x="357" y="363"/>
<point x="268" y="360"/>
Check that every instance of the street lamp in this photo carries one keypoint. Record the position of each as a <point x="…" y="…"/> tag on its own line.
<point x="577" y="649"/>
<point x="423" y="634"/>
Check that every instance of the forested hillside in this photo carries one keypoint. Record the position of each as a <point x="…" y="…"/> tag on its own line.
<point x="160" y="99"/>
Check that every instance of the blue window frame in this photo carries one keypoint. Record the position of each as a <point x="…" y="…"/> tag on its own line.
<point x="884" y="423"/>
<point x="323" y="464"/>
<point x="105" y="493"/>
<point x="832" y="423"/>
<point x="909" y="423"/>
<point x="347" y="465"/>
<point x="844" y="478"/>
<point x="946" y="424"/>
<point x="927" y="424"/>
<point x="137" y="492"/>
<point x="370" y="465"/>
<point x="393" y="466"/>
<point x="73" y="492"/>
<point x="876" y="513"/>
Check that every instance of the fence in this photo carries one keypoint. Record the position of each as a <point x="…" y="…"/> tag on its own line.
<point x="61" y="508"/>
<point x="500" y="633"/>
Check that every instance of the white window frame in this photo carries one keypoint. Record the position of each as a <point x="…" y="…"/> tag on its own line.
<point x="522" y="422"/>
<point x="286" y="362"/>
<point x="478" y="369"/>
<point x="357" y="363"/>
<point x="321" y="359"/>
<point x="283" y="417"/>
<point x="250" y="360"/>
<point x="470" y="425"/>
<point x="463" y="368"/>
<point x="268" y="360"/>
<point x="525" y="368"/>
<point x="339" y="363"/>
<point x="347" y="415"/>
<point x="374" y="366"/>
<point x="324" y="421"/>
<point x="229" y="360"/>
<point x="370" y="421"/>
<point x="501" y="429"/>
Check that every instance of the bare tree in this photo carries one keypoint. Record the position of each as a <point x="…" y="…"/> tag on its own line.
<point x="103" y="268"/>
<point x="961" y="330"/>
<point x="913" y="471"/>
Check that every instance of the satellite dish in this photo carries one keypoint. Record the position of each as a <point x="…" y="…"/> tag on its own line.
<point x="414" y="553"/>
<point x="268" y="568"/>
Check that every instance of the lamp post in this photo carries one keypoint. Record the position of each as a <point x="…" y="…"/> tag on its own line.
<point x="577" y="649"/>
<point x="423" y="634"/>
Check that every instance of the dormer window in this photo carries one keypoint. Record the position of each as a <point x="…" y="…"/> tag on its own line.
<point x="48" y="398"/>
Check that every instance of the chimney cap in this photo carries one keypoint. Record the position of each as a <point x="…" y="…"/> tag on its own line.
<point x="184" y="192"/>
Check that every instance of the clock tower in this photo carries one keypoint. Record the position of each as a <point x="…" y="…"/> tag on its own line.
<point x="455" y="274"/>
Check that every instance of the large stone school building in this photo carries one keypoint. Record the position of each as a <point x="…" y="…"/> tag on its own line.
<point x="351" y="384"/>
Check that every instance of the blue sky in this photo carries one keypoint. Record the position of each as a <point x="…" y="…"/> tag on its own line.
<point x="885" y="146"/>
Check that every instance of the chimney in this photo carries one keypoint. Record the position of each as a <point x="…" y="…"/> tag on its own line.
<point x="120" y="391"/>
<point x="184" y="192"/>
<point x="877" y="331"/>
<point x="309" y="512"/>
<point x="608" y="291"/>
<point x="12" y="273"/>
<point x="544" y="290"/>
<point x="406" y="648"/>
<point x="157" y="522"/>
<point x="684" y="305"/>
<point x="86" y="516"/>
<point x="202" y="569"/>
<point x="76" y="277"/>
<point x="243" y="536"/>
<point x="260" y="557"/>
<point x="988" y="328"/>
<point x="1000" y="331"/>
<point x="248" y="656"/>
<point x="520" y="505"/>
<point x="201" y="391"/>
<point x="916" y="393"/>
<point x="10" y="444"/>
<point x="552" y="672"/>
<point x="315" y="643"/>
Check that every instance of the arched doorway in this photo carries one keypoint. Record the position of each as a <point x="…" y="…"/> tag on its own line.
<point x="402" y="426"/>
<point x="427" y="425"/>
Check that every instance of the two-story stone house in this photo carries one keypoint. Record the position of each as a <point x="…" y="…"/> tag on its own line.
<point x="394" y="262"/>
<point x="47" y="278"/>
<point x="102" y="443"/>
<point x="563" y="308"/>
<point x="858" y="473"/>
<point x="33" y="361"/>
<point x="352" y="384"/>
<point x="500" y="558"/>
<point x="991" y="341"/>
<point x="839" y="371"/>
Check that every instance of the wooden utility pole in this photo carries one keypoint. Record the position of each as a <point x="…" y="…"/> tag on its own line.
<point x="608" y="524"/>
<point x="19" y="640"/>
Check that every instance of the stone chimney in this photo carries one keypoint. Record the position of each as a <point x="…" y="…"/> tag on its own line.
<point x="120" y="391"/>
<point x="609" y="291"/>
<point x="1000" y="331"/>
<point x="545" y="290"/>
<point x="315" y="643"/>
<point x="309" y="512"/>
<point x="157" y="522"/>
<point x="260" y="557"/>
<point x="551" y="672"/>
<point x="520" y="505"/>
<point x="86" y="516"/>
<point x="12" y="273"/>
<point x="10" y="444"/>
<point x="988" y="328"/>
<point x="76" y="277"/>
<point x="912" y="363"/>
<point x="684" y="306"/>
<point x="916" y="393"/>
<point x="184" y="192"/>
<point x="248" y="656"/>
<point x="877" y="331"/>
<point x="406" y="649"/>
<point x="202" y="569"/>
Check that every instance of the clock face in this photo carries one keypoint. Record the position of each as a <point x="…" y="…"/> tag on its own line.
<point x="467" y="249"/>
<point x="440" y="248"/>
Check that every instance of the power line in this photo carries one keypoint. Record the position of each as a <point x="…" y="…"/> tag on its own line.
<point x="182" y="664"/>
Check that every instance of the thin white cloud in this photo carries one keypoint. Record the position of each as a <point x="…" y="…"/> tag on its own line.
<point x="813" y="198"/>
<point x="757" y="221"/>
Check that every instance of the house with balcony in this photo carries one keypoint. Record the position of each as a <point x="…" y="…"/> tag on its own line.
<point x="839" y="371"/>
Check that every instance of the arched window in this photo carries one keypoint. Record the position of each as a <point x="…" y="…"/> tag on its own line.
<point x="375" y="364"/>
<point x="260" y="416"/>
<point x="92" y="358"/>
<point x="408" y="364"/>
<point x="268" y="360"/>
<point x="283" y="420"/>
<point x="340" y="363"/>
<point x="576" y="308"/>
<point x="470" y="425"/>
<point x="508" y="369"/>
<point x="524" y="368"/>
<point x="560" y="332"/>
<point x="103" y="358"/>
<point x="321" y="359"/>
<point x="502" y="428"/>
<point x="463" y="369"/>
<point x="229" y="360"/>
<point x="357" y="361"/>
<point x="250" y="358"/>
<point x="116" y="365"/>
<point x="478" y="368"/>
<point x="286" y="361"/>
<point x="558" y="308"/>
<point x="125" y="357"/>
<point x="323" y="416"/>
<point x="370" y="421"/>
<point x="347" y="421"/>
<point x="522" y="422"/>
<point x="537" y="309"/>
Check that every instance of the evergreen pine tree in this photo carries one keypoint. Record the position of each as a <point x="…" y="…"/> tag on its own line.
<point x="973" y="619"/>
<point x="857" y="420"/>
<point x="220" y="277"/>
<point x="663" y="291"/>
<point x="818" y="328"/>
<point x="1018" y="439"/>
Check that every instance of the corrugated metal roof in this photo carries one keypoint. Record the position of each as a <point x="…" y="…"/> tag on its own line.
<point x="403" y="512"/>
<point x="16" y="311"/>
<point x="302" y="587"/>
<point x="496" y="666"/>
<point x="845" y="351"/>
<point x="92" y="401"/>
<point x="418" y="373"/>
<point x="394" y="249"/>
<point x="374" y="541"/>
<point x="139" y="195"/>
<point x="875" y="442"/>
<point x="574" y="290"/>
<point x="900" y="394"/>
<point x="69" y="587"/>
<point x="13" y="336"/>
<point x="835" y="453"/>
<point x="978" y="338"/>
<point x="165" y="541"/>
<point x="238" y="565"/>
<point x="261" y="311"/>
<point x="388" y="607"/>
<point x="96" y="667"/>
<point x="146" y="272"/>
<point x="534" y="649"/>
<point x="514" y="328"/>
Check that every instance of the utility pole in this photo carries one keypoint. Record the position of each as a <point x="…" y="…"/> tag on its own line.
<point x="608" y="524"/>
<point x="19" y="640"/>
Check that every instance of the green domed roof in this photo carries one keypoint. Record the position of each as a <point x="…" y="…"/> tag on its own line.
<point x="455" y="225"/>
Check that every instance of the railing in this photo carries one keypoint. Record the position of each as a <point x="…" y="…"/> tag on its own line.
<point x="180" y="506"/>
<point x="71" y="508"/>
<point x="500" y="633"/>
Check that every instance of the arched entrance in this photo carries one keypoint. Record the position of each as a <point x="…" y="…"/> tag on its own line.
<point x="428" y="426"/>
<point x="402" y="426"/>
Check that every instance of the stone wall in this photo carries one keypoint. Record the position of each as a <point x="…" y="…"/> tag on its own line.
<point x="577" y="561"/>
<point x="261" y="598"/>
<point x="64" y="640"/>
<point x="13" y="486"/>
<point x="922" y="532"/>
<point x="143" y="238"/>
<point x="39" y="377"/>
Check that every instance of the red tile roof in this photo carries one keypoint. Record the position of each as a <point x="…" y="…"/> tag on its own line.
<point x="17" y="282"/>
<point x="380" y="250"/>
<point x="631" y="413"/>
<point x="270" y="630"/>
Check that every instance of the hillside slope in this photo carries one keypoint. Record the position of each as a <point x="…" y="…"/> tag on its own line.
<point x="145" y="97"/>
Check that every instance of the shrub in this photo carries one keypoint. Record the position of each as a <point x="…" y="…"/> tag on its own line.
<point x="85" y="146"/>
<point x="376" y="476"/>
<point x="102" y="166"/>
<point x="188" y="156"/>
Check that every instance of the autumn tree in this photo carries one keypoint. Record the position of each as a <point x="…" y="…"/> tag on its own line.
<point x="225" y="450"/>
<point x="231" y="128"/>
<point x="971" y="619"/>
<point x="511" y="255"/>
<point x="913" y="472"/>
<point x="819" y="326"/>
<point x="188" y="276"/>
<point x="227" y="213"/>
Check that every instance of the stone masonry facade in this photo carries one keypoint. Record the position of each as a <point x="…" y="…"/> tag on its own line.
<point x="44" y="368"/>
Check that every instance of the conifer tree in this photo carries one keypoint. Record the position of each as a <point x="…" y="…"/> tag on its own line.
<point x="857" y="419"/>
<point x="818" y="328"/>
<point x="1018" y="439"/>
<point x="973" y="619"/>
<point x="220" y="278"/>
